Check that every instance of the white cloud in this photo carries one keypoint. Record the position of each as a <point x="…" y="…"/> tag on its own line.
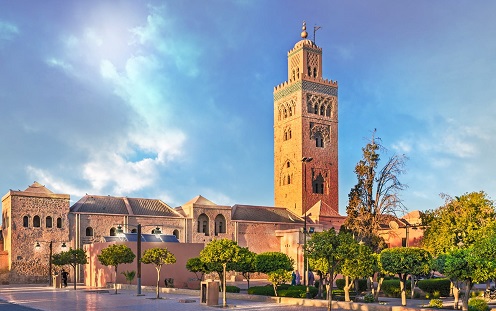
<point x="8" y="30"/>
<point x="54" y="62"/>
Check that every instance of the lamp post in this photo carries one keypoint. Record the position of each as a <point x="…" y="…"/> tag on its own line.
<point x="138" y="250"/>
<point x="305" y="160"/>
<point x="50" y="247"/>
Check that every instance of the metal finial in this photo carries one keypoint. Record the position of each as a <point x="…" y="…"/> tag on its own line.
<point x="304" y="33"/>
<point x="315" y="28"/>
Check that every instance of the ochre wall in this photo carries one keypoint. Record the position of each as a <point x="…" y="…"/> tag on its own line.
<point x="97" y="275"/>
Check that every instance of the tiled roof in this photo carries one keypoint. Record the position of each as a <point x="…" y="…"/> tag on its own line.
<point x="123" y="206"/>
<point x="199" y="200"/>
<point x="151" y="207"/>
<point x="264" y="214"/>
<point x="100" y="204"/>
<point x="38" y="188"/>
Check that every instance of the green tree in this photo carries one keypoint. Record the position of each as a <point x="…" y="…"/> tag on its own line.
<point x="158" y="257"/>
<point x="114" y="255"/>
<point x="280" y="276"/>
<point x="459" y="223"/>
<point x="470" y="265"/>
<point x="273" y="261"/>
<point x="359" y="265"/>
<point x="72" y="257"/>
<point x="319" y="265"/>
<point x="245" y="264"/>
<point x="376" y="194"/>
<point x="196" y="266"/>
<point x="332" y="249"/>
<point x="220" y="252"/>
<point x="404" y="261"/>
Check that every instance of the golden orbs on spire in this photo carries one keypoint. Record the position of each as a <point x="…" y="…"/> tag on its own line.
<point x="304" y="33"/>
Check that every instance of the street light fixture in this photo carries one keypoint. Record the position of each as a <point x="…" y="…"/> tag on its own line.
<point x="156" y="231"/>
<point x="305" y="160"/>
<point x="37" y="246"/>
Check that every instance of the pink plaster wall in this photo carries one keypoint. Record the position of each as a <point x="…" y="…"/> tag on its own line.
<point x="97" y="275"/>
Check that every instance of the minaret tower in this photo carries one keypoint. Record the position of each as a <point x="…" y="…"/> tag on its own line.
<point x="306" y="134"/>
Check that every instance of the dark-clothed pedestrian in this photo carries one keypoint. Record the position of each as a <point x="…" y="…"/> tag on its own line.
<point x="64" y="274"/>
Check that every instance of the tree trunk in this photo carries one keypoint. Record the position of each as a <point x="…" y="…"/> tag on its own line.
<point x="468" y="287"/>
<point x="456" y="294"/>
<point x="378" y="290"/>
<point x="347" y="287"/>
<point x="158" y="281"/>
<point x="224" y="301"/>
<point x="403" y="288"/>
<point x="321" y="285"/>
<point x="74" y="276"/>
<point x="275" y="288"/>
<point x="329" y="289"/>
<point x="115" y="282"/>
<point x="412" y="286"/>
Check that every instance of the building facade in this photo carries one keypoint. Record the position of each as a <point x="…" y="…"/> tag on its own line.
<point x="306" y="134"/>
<point x="305" y="191"/>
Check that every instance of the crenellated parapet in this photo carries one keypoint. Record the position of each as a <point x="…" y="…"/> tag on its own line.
<point x="308" y="78"/>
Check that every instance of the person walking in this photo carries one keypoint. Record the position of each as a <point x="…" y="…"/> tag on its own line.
<point x="64" y="277"/>
<point x="298" y="278"/>
<point x="293" y="279"/>
<point x="311" y="278"/>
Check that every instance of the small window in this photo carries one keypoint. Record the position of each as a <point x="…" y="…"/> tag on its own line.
<point x="318" y="185"/>
<point x="48" y="222"/>
<point x="322" y="110"/>
<point x="25" y="221"/>
<point x="36" y="221"/>
<point x="59" y="222"/>
<point x="309" y="71"/>
<point x="134" y="230"/>
<point x="220" y="222"/>
<point x="315" y="72"/>
<point x="319" y="141"/>
<point x="298" y="72"/>
<point x="112" y="231"/>
<point x="203" y="224"/>
<point x="176" y="233"/>
<point x="288" y="164"/>
<point x="89" y="231"/>
<point x="289" y="134"/>
<point x="289" y="179"/>
<point x="315" y="109"/>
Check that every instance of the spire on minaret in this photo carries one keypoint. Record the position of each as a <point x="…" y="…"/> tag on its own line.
<point x="304" y="33"/>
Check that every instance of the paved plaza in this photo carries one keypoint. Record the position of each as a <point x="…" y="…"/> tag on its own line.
<point x="25" y="298"/>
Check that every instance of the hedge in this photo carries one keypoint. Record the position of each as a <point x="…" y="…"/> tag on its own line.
<point x="391" y="288"/>
<point x="431" y="285"/>
<point x="232" y="289"/>
<point x="362" y="284"/>
<point x="298" y="291"/>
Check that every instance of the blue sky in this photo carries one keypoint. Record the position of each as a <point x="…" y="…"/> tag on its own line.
<point x="171" y="99"/>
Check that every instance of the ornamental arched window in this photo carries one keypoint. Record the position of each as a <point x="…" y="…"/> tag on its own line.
<point x="48" y="222"/>
<point x="220" y="224"/>
<point x="203" y="224"/>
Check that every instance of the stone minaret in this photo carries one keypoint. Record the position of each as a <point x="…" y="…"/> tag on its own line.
<point x="306" y="126"/>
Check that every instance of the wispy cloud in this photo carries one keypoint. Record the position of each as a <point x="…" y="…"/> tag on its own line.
<point x="8" y="30"/>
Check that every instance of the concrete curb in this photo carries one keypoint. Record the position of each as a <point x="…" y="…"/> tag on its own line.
<point x="360" y="306"/>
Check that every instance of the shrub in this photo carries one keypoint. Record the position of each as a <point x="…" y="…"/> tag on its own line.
<point x="284" y="290"/>
<point x="391" y="288"/>
<point x="267" y="290"/>
<point x="368" y="298"/>
<point x="442" y="286"/>
<point x="362" y="284"/>
<point x="298" y="291"/>
<point x="232" y="289"/>
<point x="436" y="303"/>
<point x="477" y="304"/>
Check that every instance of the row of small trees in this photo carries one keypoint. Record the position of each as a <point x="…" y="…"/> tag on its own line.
<point x="224" y="255"/>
